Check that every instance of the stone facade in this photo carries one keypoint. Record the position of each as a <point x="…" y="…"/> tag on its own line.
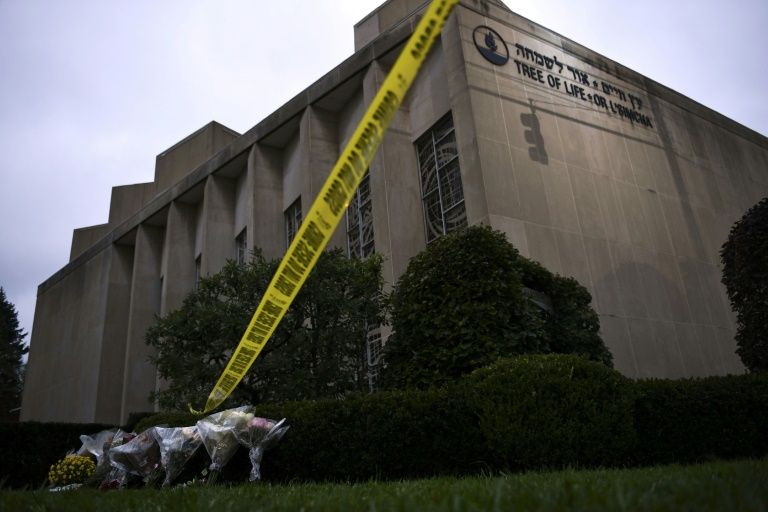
<point x="590" y="168"/>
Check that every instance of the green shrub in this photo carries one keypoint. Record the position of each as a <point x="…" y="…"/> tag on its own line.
<point x="572" y="327"/>
<point x="700" y="419"/>
<point x="553" y="411"/>
<point x="745" y="276"/>
<point x="461" y="304"/>
<point x="524" y="413"/>
<point x="30" y="448"/>
<point x="317" y="350"/>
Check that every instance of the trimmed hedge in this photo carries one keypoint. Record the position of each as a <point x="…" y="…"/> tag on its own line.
<point x="524" y="413"/>
<point x="389" y="435"/>
<point x="30" y="448"/>
<point x="694" y="420"/>
<point x="553" y="411"/>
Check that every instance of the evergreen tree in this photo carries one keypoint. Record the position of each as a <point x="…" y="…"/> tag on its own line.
<point x="12" y="350"/>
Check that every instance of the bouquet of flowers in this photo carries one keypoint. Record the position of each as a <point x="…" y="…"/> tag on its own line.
<point x="177" y="445"/>
<point x="259" y="435"/>
<point x="140" y="456"/>
<point x="218" y="433"/>
<point x="97" y="446"/>
<point x="117" y="478"/>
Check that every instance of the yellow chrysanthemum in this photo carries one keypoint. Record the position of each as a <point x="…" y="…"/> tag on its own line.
<point x="71" y="469"/>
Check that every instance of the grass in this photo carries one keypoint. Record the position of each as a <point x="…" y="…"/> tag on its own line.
<point x="726" y="486"/>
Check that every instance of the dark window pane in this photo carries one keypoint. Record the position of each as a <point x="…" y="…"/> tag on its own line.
<point x="446" y="150"/>
<point x="364" y="190"/>
<point x="292" y="221"/>
<point x="443" y="127"/>
<point x="428" y="169"/>
<point x="434" y="217"/>
<point x="367" y="227"/>
<point x="450" y="185"/>
<point x="360" y="240"/>
<point x="455" y="218"/>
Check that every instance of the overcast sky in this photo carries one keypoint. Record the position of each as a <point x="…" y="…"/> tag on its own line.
<point x="92" y="90"/>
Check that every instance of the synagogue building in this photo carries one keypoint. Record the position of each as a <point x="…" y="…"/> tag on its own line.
<point x="588" y="167"/>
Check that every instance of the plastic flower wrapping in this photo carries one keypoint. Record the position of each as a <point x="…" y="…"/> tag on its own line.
<point x="115" y="458"/>
<point x="140" y="456"/>
<point x="97" y="445"/>
<point x="259" y="435"/>
<point x="115" y="477"/>
<point x="177" y="445"/>
<point x="219" y="432"/>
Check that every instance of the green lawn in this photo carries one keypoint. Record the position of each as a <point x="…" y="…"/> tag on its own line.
<point x="726" y="486"/>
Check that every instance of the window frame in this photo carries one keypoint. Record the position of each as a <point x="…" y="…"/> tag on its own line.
<point x="198" y="270"/>
<point x="360" y="206"/>
<point x="292" y="220"/>
<point x="241" y="247"/>
<point x="441" y="170"/>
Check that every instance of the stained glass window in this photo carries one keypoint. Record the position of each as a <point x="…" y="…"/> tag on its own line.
<point x="441" y="189"/>
<point x="360" y="240"/>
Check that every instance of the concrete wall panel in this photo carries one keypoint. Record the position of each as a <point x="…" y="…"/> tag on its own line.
<point x="265" y="171"/>
<point x="218" y="224"/>
<point x="139" y="375"/>
<point x="83" y="238"/>
<point x="180" y="159"/>
<point x="110" y="387"/>
<point x="178" y="263"/>
<point x="62" y="379"/>
<point x="127" y="200"/>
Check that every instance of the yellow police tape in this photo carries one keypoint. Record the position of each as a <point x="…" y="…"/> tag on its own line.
<point x="329" y="206"/>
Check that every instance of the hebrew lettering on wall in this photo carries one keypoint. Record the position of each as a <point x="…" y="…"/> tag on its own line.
<point x="549" y="71"/>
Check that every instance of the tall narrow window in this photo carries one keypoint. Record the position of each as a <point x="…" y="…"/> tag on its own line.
<point x="241" y="247"/>
<point x="292" y="221"/>
<point x="441" y="189"/>
<point x="360" y="221"/>
<point x="198" y="271"/>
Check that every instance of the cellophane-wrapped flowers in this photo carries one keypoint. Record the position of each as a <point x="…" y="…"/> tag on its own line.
<point x="97" y="446"/>
<point x="72" y="469"/>
<point x="116" y="478"/>
<point x="140" y="456"/>
<point x="259" y="435"/>
<point x="219" y="433"/>
<point x="177" y="445"/>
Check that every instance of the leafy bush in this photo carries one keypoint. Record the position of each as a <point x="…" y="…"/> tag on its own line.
<point x="30" y="448"/>
<point x="318" y="350"/>
<point x="745" y="275"/>
<point x="573" y="326"/>
<point x="461" y="304"/>
<point x="701" y="419"/>
<point x="553" y="410"/>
